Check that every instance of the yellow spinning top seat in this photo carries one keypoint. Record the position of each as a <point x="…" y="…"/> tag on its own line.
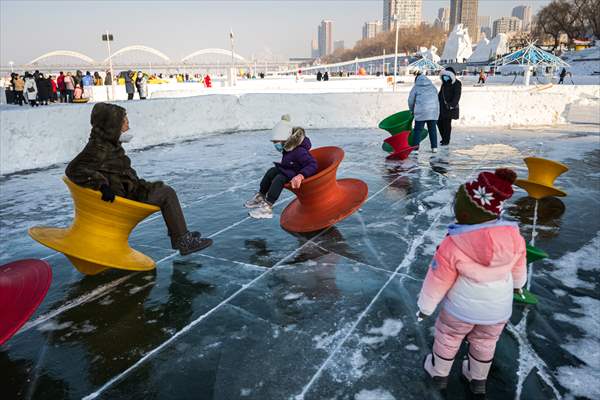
<point x="542" y="174"/>
<point x="98" y="237"/>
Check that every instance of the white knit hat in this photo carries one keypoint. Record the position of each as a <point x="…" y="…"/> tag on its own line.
<point x="283" y="129"/>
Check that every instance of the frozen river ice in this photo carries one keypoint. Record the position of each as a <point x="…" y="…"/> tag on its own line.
<point x="265" y="314"/>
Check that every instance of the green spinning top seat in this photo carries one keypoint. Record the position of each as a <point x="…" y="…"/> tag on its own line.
<point x="400" y="122"/>
<point x="533" y="254"/>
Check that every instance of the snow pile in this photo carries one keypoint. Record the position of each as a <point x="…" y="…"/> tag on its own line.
<point x="458" y="46"/>
<point x="430" y="54"/>
<point x="584" y="62"/>
<point x="376" y="394"/>
<point x="488" y="50"/>
<point x="40" y="137"/>
<point x="390" y="328"/>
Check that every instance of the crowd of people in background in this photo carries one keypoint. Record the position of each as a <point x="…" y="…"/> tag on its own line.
<point x="38" y="88"/>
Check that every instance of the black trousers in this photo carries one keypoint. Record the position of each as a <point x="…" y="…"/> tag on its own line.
<point x="445" y="128"/>
<point x="19" y="97"/>
<point x="272" y="184"/>
<point x="166" y="198"/>
<point x="10" y="96"/>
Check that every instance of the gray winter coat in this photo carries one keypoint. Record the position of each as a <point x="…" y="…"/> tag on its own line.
<point x="423" y="100"/>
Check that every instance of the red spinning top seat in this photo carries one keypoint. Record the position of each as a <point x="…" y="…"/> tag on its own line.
<point x="400" y="145"/>
<point x="322" y="200"/>
<point x="23" y="286"/>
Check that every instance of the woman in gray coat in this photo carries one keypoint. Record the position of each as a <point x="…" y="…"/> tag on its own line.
<point x="423" y="103"/>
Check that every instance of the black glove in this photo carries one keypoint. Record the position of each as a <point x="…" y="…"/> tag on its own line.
<point x="107" y="193"/>
<point x="421" y="316"/>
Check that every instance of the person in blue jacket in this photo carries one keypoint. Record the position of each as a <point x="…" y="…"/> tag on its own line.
<point x="423" y="103"/>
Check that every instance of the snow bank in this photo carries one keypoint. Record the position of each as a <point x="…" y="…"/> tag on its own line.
<point x="584" y="62"/>
<point x="40" y="137"/>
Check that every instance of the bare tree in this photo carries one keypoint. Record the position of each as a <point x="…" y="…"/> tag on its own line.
<point x="409" y="40"/>
<point x="546" y="25"/>
<point x="591" y="11"/>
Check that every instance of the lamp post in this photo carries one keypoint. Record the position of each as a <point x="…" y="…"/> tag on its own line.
<point x="396" y="51"/>
<point x="108" y="37"/>
<point x="232" y="59"/>
<point x="11" y="66"/>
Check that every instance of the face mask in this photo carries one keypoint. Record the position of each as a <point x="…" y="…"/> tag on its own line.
<point x="278" y="147"/>
<point x="125" y="137"/>
<point x="446" y="78"/>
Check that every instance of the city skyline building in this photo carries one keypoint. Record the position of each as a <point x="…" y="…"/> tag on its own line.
<point x="465" y="12"/>
<point x="338" y="45"/>
<point x="525" y="14"/>
<point x="314" y="48"/>
<point x="408" y="11"/>
<point x="485" y="25"/>
<point x="443" y="19"/>
<point x="325" y="38"/>
<point x="371" y="29"/>
<point x="507" y="25"/>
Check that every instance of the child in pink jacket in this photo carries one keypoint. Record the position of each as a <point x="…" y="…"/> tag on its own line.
<point x="473" y="274"/>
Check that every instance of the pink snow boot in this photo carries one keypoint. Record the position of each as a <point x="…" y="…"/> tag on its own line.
<point x="476" y="372"/>
<point x="439" y="369"/>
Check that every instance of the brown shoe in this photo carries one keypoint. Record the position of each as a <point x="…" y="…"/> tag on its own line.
<point x="188" y="244"/>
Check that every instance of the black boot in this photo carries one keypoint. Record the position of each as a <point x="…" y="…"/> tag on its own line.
<point x="188" y="244"/>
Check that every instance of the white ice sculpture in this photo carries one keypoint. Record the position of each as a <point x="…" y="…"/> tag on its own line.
<point x="430" y="53"/>
<point x="458" y="46"/>
<point x="488" y="50"/>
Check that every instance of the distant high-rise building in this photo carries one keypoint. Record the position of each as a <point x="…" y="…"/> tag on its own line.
<point x="444" y="13"/>
<point x="314" y="48"/>
<point x="407" y="11"/>
<point x="325" y="38"/>
<point x="443" y="19"/>
<point x="371" y="29"/>
<point x="338" y="44"/>
<point x="485" y="26"/>
<point x="507" y="25"/>
<point x="465" y="12"/>
<point x="524" y="14"/>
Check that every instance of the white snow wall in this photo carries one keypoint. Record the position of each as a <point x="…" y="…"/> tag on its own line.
<point x="40" y="137"/>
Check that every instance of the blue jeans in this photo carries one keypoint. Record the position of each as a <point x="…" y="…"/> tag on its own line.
<point x="431" y="127"/>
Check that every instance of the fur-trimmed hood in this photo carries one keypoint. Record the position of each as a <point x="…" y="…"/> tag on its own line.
<point x="449" y="72"/>
<point x="295" y="139"/>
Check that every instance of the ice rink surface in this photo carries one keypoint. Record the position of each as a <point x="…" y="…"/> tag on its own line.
<point x="265" y="314"/>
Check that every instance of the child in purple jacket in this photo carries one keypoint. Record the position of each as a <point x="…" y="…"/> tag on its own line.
<point x="296" y="164"/>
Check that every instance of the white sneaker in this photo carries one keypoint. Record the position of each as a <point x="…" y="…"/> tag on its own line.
<point x="434" y="150"/>
<point x="255" y="202"/>
<point x="263" y="211"/>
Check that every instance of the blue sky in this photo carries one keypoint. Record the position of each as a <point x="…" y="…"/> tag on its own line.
<point x="177" y="28"/>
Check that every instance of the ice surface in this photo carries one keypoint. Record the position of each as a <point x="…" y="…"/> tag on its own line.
<point x="265" y="314"/>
